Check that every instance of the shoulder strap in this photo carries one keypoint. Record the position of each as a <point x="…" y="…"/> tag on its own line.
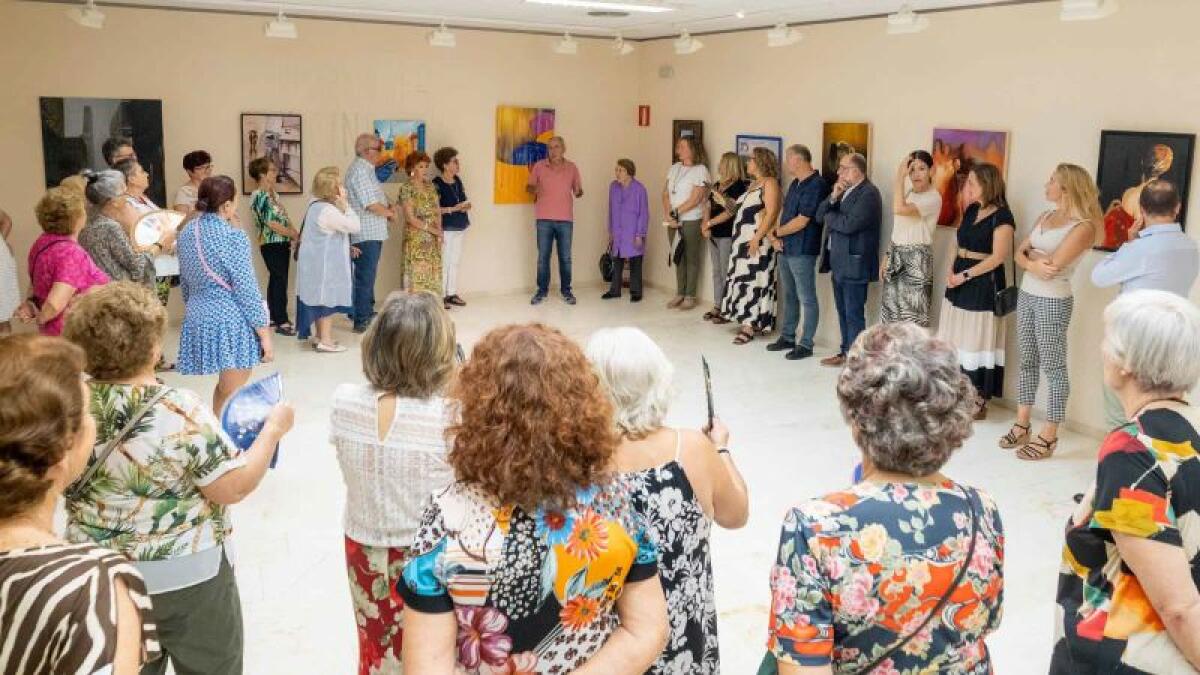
<point x="937" y="609"/>
<point x="38" y="255"/>
<point x="78" y="487"/>
<point x="218" y="280"/>
<point x="678" y="443"/>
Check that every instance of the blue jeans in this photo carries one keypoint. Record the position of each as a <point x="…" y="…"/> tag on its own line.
<point x="550" y="232"/>
<point x="798" y="277"/>
<point x="851" y="297"/>
<point x="364" y="280"/>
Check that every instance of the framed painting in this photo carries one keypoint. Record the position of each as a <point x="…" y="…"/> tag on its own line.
<point x="839" y="139"/>
<point x="686" y="129"/>
<point x="744" y="144"/>
<point x="74" y="131"/>
<point x="521" y="138"/>
<point x="954" y="152"/>
<point x="1128" y="161"/>
<point x="400" y="138"/>
<point x="278" y="137"/>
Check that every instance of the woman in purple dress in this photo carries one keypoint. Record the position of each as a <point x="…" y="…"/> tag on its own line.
<point x="628" y="218"/>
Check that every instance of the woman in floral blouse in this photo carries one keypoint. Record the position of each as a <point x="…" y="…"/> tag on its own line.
<point x="1129" y="589"/>
<point x="861" y="573"/>
<point x="534" y="560"/>
<point x="160" y="497"/>
<point x="423" y="227"/>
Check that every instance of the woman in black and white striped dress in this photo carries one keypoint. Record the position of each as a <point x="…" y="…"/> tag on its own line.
<point x="750" y="284"/>
<point x="69" y="608"/>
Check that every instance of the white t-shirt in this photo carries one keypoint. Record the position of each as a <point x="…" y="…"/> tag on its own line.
<point x="681" y="180"/>
<point x="186" y="195"/>
<point x="914" y="230"/>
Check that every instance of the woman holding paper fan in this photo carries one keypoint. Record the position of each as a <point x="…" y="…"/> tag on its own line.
<point x="225" y="325"/>
<point x="160" y="478"/>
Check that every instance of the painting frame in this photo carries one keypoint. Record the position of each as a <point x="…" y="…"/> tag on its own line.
<point x="390" y="167"/>
<point x="74" y="129"/>
<point x="286" y="151"/>
<point x="680" y="128"/>
<point x="522" y="135"/>
<point x="744" y="144"/>
<point x="961" y="148"/>
<point x="1119" y="187"/>
<point x="856" y="135"/>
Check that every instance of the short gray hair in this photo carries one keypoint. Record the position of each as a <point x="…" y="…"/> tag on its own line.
<point x="363" y="142"/>
<point x="103" y="186"/>
<point x="859" y="160"/>
<point x="1155" y="336"/>
<point x="907" y="401"/>
<point x="800" y="151"/>
<point x="636" y="375"/>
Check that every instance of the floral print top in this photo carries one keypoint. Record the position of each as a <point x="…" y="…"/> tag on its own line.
<point x="266" y="209"/>
<point x="532" y="592"/>
<point x="1146" y="486"/>
<point x="859" y="570"/>
<point x="145" y="501"/>
<point x="424" y="200"/>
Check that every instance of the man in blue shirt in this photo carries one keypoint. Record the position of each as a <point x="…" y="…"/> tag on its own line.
<point x="799" y="239"/>
<point x="1157" y="256"/>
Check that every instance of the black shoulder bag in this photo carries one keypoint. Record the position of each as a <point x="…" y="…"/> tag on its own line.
<point x="1005" y="299"/>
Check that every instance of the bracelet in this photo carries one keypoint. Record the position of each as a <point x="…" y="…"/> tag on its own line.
<point x="723" y="451"/>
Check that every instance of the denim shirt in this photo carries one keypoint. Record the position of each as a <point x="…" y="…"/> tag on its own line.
<point x="802" y="199"/>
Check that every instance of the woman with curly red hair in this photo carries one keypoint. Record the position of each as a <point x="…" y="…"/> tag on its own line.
<point x="533" y="560"/>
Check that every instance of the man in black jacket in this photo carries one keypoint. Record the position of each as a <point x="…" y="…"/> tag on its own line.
<point x="852" y="217"/>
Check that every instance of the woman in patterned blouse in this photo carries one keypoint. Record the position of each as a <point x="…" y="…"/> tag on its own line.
<point x="1127" y="591"/>
<point x="861" y="574"/>
<point x="276" y="235"/>
<point x="68" y="608"/>
<point x="534" y="560"/>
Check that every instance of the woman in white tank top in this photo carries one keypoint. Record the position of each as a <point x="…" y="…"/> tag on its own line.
<point x="1049" y="256"/>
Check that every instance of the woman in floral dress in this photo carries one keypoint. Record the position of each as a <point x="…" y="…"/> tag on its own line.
<point x="861" y="573"/>
<point x="423" y="227"/>
<point x="533" y="560"/>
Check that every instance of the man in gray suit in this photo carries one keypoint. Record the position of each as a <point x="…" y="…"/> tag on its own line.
<point x="852" y="217"/>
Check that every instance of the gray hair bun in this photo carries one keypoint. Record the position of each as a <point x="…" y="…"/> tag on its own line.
<point x="103" y="186"/>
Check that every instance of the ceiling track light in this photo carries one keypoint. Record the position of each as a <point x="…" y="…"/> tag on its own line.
<point x="783" y="35"/>
<point x="1087" y="10"/>
<point x="442" y="37"/>
<point x="621" y="47"/>
<point x="906" y="21"/>
<point x="647" y="7"/>
<point x="567" y="46"/>
<point x="87" y="15"/>
<point x="686" y="44"/>
<point x="281" y="28"/>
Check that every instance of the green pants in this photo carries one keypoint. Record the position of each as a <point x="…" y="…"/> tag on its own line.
<point x="200" y="627"/>
<point x="687" y="271"/>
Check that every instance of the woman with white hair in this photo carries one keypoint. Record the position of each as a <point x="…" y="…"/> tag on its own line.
<point x="683" y="480"/>
<point x="107" y="237"/>
<point x="1128" y="593"/>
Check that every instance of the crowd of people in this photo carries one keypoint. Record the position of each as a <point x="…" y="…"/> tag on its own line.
<point x="525" y="509"/>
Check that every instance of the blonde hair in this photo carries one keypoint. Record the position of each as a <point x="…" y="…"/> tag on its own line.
<point x="325" y="183"/>
<point x="118" y="325"/>
<point x="731" y="167"/>
<point x="409" y="348"/>
<point x="76" y="182"/>
<point x="1080" y="193"/>
<point x="61" y="210"/>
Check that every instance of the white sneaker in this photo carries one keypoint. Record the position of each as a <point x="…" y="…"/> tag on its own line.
<point x="334" y="348"/>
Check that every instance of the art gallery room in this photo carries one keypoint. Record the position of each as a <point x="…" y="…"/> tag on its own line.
<point x="770" y="484"/>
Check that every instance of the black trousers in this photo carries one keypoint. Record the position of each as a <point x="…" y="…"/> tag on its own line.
<point x="278" y="257"/>
<point x="635" y="276"/>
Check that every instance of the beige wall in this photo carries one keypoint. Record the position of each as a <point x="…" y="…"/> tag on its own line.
<point x="209" y="68"/>
<point x="1052" y="85"/>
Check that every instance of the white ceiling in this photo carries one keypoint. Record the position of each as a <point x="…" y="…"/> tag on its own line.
<point x="697" y="16"/>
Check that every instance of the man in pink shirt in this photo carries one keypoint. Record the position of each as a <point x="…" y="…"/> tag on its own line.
<point x="555" y="185"/>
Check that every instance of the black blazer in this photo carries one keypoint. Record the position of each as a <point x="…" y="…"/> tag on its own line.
<point x="852" y="231"/>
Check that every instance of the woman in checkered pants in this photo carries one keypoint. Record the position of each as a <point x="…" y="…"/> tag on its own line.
<point x="1049" y="256"/>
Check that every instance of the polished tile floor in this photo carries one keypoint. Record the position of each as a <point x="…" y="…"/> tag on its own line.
<point x="788" y="439"/>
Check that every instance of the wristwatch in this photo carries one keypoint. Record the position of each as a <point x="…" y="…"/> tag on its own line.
<point x="966" y="274"/>
<point x="723" y="451"/>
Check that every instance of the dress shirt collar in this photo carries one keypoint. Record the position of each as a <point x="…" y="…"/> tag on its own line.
<point x="1160" y="228"/>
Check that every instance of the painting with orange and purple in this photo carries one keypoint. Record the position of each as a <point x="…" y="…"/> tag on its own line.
<point x="955" y="151"/>
<point x="521" y="138"/>
<point x="1128" y="161"/>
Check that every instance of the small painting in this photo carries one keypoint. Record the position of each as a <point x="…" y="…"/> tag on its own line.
<point x="955" y="151"/>
<point x="74" y="131"/>
<point x="686" y="129"/>
<point x="278" y="137"/>
<point x="400" y="138"/>
<point x="744" y="144"/>
<point x="1128" y="161"/>
<point x="840" y="139"/>
<point x="522" y="135"/>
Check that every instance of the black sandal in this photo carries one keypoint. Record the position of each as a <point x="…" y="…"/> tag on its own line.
<point x="285" y="329"/>
<point x="1010" y="440"/>
<point x="1037" y="449"/>
<point x="743" y="337"/>
<point x="710" y="315"/>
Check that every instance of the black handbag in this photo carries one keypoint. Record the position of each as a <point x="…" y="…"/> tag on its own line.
<point x="769" y="666"/>
<point x="606" y="266"/>
<point x="1005" y="299"/>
